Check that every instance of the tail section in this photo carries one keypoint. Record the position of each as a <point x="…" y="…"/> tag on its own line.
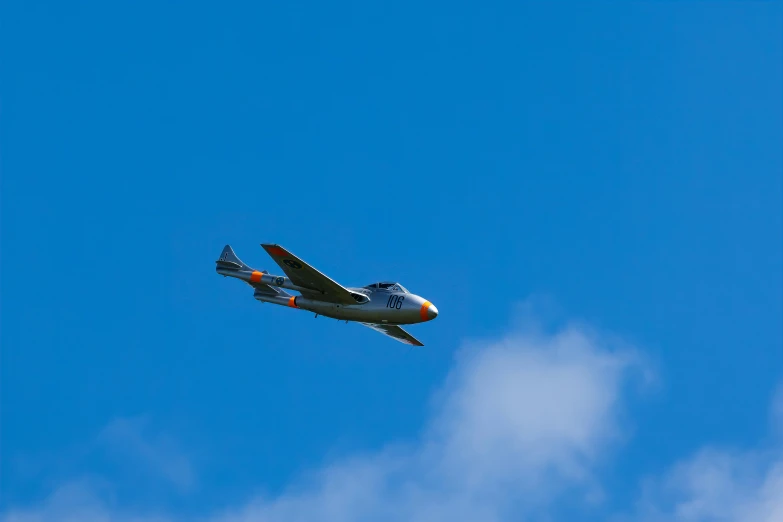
<point x="228" y="264"/>
<point x="228" y="259"/>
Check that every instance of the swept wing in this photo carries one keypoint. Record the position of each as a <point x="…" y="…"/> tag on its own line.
<point x="317" y="285"/>
<point x="395" y="332"/>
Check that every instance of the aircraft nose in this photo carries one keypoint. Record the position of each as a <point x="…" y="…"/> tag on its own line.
<point x="428" y="311"/>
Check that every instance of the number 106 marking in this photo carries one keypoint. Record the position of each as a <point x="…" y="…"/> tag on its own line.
<point x="395" y="301"/>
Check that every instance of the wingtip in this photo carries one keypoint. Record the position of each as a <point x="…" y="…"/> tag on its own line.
<point x="275" y="249"/>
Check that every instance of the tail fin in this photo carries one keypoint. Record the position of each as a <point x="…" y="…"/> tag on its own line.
<point x="228" y="259"/>
<point x="229" y="265"/>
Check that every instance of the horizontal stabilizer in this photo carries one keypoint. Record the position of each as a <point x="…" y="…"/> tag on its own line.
<point x="267" y="290"/>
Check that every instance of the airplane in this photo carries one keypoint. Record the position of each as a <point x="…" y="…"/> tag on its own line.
<point x="381" y="306"/>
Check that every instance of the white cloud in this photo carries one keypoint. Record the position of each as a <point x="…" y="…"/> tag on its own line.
<point x="146" y="456"/>
<point x="77" y="501"/>
<point x="521" y="427"/>
<point x="719" y="484"/>
<point x="133" y="443"/>
<point x="518" y="421"/>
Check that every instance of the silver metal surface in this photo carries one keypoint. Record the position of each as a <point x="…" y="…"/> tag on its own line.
<point x="381" y="306"/>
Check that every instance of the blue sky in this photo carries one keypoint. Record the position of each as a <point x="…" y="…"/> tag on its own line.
<point x="589" y="192"/>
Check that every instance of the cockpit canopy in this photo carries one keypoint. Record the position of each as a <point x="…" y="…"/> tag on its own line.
<point x="388" y="286"/>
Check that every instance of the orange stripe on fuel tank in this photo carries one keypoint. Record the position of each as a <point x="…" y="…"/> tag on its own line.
<point x="423" y="311"/>
<point x="292" y="302"/>
<point x="255" y="277"/>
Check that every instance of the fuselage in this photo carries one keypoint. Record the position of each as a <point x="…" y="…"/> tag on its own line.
<point x="380" y="303"/>
<point x="383" y="307"/>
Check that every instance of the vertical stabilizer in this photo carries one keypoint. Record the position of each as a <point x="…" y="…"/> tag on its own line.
<point x="228" y="259"/>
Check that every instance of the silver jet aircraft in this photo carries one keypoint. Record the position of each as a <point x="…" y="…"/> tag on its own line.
<point x="380" y="306"/>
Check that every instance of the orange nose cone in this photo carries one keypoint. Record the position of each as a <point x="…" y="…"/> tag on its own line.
<point x="428" y="311"/>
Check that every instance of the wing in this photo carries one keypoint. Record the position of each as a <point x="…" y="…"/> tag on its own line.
<point x="301" y="274"/>
<point x="395" y="332"/>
